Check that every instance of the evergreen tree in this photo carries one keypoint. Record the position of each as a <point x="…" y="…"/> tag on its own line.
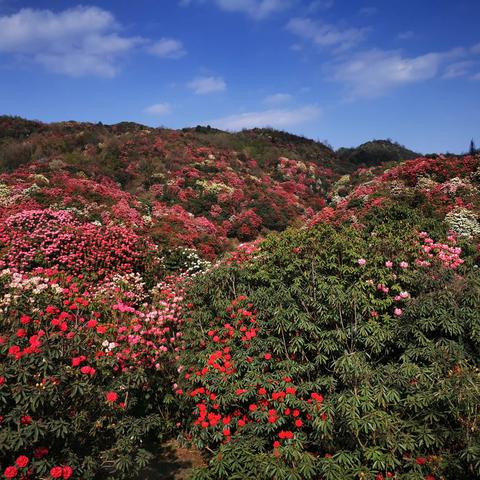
<point x="473" y="149"/>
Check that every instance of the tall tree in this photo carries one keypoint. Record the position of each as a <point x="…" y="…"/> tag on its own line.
<point x="473" y="149"/>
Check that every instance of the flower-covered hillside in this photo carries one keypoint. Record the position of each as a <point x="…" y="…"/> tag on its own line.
<point x="179" y="184"/>
<point x="442" y="188"/>
<point x="198" y="187"/>
<point x="345" y="347"/>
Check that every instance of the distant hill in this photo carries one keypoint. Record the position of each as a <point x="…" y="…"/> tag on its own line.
<point x="375" y="152"/>
<point x="200" y="186"/>
<point x="197" y="187"/>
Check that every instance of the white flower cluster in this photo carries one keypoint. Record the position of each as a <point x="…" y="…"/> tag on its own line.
<point x="39" y="178"/>
<point x="463" y="222"/>
<point x="397" y="187"/>
<point x="452" y="185"/>
<point x="5" y="196"/>
<point x="128" y="288"/>
<point x="194" y="263"/>
<point x="34" y="188"/>
<point x="425" y="182"/>
<point x="4" y="190"/>
<point x="19" y="286"/>
<point x="108" y="346"/>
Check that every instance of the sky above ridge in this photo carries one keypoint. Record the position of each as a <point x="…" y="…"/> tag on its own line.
<point x="335" y="70"/>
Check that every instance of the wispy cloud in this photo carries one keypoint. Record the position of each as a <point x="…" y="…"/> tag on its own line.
<point x="277" y="98"/>
<point x="275" y="118"/>
<point x="316" y="5"/>
<point x="167" y="48"/>
<point x="368" y="11"/>
<point x="78" y="41"/>
<point x="158" y="109"/>
<point x="257" y="9"/>
<point x="407" y="35"/>
<point x="326" y="35"/>
<point x="458" y="69"/>
<point x="205" y="85"/>
<point x="376" y="72"/>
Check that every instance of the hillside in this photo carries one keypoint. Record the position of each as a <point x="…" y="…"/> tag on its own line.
<point x="374" y="153"/>
<point x="197" y="187"/>
<point x="251" y="300"/>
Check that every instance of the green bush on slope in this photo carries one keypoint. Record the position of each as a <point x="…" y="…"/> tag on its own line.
<point x="392" y="351"/>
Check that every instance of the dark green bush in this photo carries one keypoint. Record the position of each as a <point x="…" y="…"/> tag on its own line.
<point x="399" y="377"/>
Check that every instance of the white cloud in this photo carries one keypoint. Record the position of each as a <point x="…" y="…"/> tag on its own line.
<point x="158" y="109"/>
<point x="476" y="76"/>
<point x="277" y="98"/>
<point x="407" y="35"/>
<point x="326" y="35"/>
<point x="78" y="41"/>
<point x="475" y="49"/>
<point x="458" y="69"/>
<point x="258" y="9"/>
<point x="376" y="72"/>
<point x="167" y="48"/>
<point x="276" y="118"/>
<point x="205" y="85"/>
<point x="296" y="47"/>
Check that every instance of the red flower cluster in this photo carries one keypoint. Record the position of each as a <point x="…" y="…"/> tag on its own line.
<point x="64" y="472"/>
<point x="256" y="403"/>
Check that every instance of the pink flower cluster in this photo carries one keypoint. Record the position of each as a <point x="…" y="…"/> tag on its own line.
<point x="447" y="253"/>
<point x="49" y="238"/>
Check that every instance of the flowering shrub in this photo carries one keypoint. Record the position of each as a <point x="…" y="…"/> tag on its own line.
<point x="344" y="349"/>
<point x="48" y="238"/>
<point x="464" y="222"/>
<point x="84" y="376"/>
<point x="334" y="354"/>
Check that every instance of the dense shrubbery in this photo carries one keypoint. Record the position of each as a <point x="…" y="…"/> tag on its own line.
<point x="49" y="238"/>
<point x="85" y="375"/>
<point x="347" y="348"/>
<point x="335" y="354"/>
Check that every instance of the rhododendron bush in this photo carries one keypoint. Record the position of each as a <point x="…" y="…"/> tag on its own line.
<point x="130" y="313"/>
<point x="48" y="238"/>
<point x="84" y="373"/>
<point x="335" y="353"/>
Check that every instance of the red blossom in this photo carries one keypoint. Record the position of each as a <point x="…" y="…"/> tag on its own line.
<point x="10" y="472"/>
<point x="22" y="461"/>
<point x="111" y="397"/>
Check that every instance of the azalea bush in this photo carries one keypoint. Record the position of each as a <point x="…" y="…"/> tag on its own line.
<point x="336" y="353"/>
<point x="57" y="238"/>
<point x="85" y="374"/>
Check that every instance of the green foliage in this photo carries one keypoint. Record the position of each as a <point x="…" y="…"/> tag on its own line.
<point x="400" y="388"/>
<point x="376" y="152"/>
<point x="48" y="402"/>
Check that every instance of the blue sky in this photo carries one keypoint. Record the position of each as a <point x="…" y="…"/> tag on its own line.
<point x="336" y="70"/>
